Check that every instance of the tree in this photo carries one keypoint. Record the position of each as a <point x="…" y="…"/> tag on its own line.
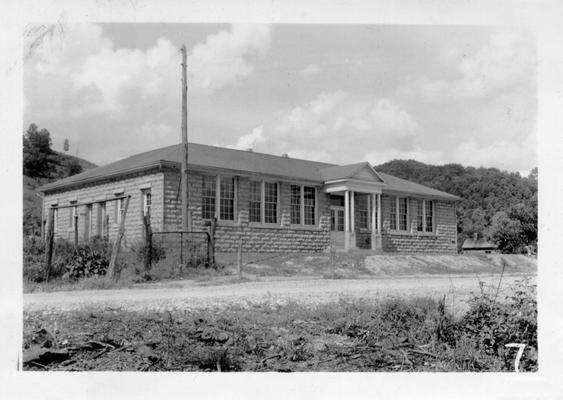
<point x="73" y="167"/>
<point x="36" y="152"/>
<point x="507" y="233"/>
<point x="66" y="145"/>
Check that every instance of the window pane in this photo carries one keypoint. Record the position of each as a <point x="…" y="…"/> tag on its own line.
<point x="429" y="216"/>
<point x="255" y="203"/>
<point x="363" y="212"/>
<point x="295" y="204"/>
<point x="340" y="225"/>
<point x="309" y="205"/>
<point x="271" y="203"/>
<point x="393" y="213"/>
<point x="402" y="214"/>
<point x="208" y="197"/>
<point x="146" y="202"/>
<point x="227" y="199"/>
<point x="419" y="226"/>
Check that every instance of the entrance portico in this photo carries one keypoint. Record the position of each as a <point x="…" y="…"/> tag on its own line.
<point x="350" y="182"/>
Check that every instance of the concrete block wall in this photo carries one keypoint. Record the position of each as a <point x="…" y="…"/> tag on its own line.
<point x="442" y="240"/>
<point x="280" y="237"/>
<point x="94" y="194"/>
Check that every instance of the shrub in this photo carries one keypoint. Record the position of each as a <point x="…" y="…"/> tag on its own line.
<point x="33" y="259"/>
<point x="89" y="259"/>
<point x="491" y="325"/>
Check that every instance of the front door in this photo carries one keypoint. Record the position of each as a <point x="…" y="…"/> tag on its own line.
<point x="337" y="226"/>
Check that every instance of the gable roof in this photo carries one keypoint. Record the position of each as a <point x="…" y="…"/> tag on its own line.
<point x="200" y="155"/>
<point x="205" y="156"/>
<point x="349" y="171"/>
<point x="400" y="185"/>
<point x="474" y="244"/>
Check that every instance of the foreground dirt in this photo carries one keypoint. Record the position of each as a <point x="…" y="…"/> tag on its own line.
<point x="186" y="295"/>
<point x="350" y="334"/>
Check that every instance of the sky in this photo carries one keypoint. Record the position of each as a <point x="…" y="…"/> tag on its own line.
<point x="334" y="93"/>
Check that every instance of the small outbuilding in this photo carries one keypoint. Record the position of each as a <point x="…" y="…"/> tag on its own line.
<point x="478" y="245"/>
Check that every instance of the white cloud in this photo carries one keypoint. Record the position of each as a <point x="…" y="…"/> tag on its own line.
<point x="333" y="126"/>
<point x="504" y="154"/>
<point x="78" y="83"/>
<point x="252" y="139"/>
<point x="435" y="157"/>
<point x="310" y="70"/>
<point x="112" y="72"/>
<point x="506" y="61"/>
<point x="221" y="59"/>
<point x="105" y="80"/>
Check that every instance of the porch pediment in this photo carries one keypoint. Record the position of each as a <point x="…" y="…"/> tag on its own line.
<point x="360" y="177"/>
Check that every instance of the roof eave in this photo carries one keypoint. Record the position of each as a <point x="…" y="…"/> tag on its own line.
<point x="57" y="186"/>
<point x="447" y="197"/>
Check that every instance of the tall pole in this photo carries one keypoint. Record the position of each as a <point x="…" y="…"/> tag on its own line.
<point x="186" y="223"/>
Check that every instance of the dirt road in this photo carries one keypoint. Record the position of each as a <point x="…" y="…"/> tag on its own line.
<point x="189" y="295"/>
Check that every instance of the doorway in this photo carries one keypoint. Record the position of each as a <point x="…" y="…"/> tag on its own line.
<point x="337" y="226"/>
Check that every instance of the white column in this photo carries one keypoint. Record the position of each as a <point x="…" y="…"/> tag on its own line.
<point x="346" y="211"/>
<point x="352" y="213"/>
<point x="373" y="201"/>
<point x="379" y="219"/>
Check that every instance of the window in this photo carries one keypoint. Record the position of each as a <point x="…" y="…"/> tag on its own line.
<point x="88" y="231"/>
<point x="403" y="213"/>
<point x="147" y="202"/>
<point x="119" y="210"/>
<point x="309" y="200"/>
<point x="208" y="197"/>
<point x="363" y="212"/>
<point x="295" y="204"/>
<point x="255" y="202"/>
<point x="270" y="203"/>
<point x="55" y="219"/>
<point x="73" y="213"/>
<point x="303" y="203"/>
<point x="227" y="199"/>
<point x="419" y="215"/>
<point x="393" y="213"/>
<point x="263" y="202"/>
<point x="221" y="206"/>
<point x="399" y="214"/>
<point x="102" y="219"/>
<point x="429" y="215"/>
<point x="425" y="216"/>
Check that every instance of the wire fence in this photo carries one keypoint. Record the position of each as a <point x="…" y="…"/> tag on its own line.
<point x="180" y="249"/>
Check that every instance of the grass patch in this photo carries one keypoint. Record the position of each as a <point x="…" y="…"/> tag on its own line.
<point x="349" y="335"/>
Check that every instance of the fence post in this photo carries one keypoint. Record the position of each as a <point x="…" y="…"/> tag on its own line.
<point x="181" y="251"/>
<point x="212" y="228"/>
<point x="146" y="226"/>
<point x="332" y="261"/>
<point x="117" y="244"/>
<point x="50" y="239"/>
<point x="75" y="225"/>
<point x="150" y="245"/>
<point x="239" y="258"/>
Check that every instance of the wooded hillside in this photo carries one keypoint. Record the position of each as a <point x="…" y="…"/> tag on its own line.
<point x="41" y="165"/>
<point x="497" y="205"/>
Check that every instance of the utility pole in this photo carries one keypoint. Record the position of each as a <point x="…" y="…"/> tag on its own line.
<point x="186" y="220"/>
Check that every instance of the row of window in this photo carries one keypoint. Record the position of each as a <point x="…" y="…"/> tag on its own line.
<point x="218" y="199"/>
<point x="73" y="212"/>
<point x="399" y="214"/>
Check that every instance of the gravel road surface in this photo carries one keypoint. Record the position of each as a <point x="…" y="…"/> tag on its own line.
<point x="190" y="295"/>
